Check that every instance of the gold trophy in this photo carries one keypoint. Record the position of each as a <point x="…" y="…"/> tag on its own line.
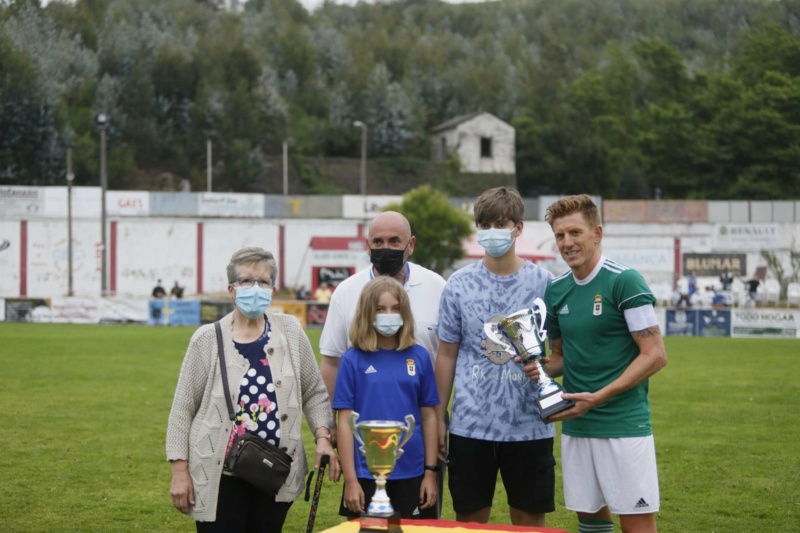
<point x="523" y="334"/>
<point x="381" y="443"/>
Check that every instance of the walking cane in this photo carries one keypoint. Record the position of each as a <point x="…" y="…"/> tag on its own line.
<point x="312" y="515"/>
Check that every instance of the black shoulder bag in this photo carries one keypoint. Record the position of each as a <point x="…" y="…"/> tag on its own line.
<point x="263" y="465"/>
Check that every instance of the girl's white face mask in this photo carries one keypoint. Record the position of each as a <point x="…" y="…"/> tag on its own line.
<point x="388" y="324"/>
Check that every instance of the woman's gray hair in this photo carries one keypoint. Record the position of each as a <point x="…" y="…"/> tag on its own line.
<point x="252" y="256"/>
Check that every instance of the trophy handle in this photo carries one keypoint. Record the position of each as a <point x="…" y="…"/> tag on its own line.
<point x="409" y="429"/>
<point x="353" y="419"/>
<point x="539" y="317"/>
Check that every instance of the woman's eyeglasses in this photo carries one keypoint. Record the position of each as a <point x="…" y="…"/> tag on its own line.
<point x="249" y="282"/>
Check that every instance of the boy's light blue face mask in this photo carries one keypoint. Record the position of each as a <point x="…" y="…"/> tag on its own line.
<point x="496" y="241"/>
<point x="388" y="324"/>
<point x="253" y="301"/>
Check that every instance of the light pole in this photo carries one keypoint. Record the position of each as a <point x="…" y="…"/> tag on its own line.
<point x="208" y="164"/>
<point x="101" y="120"/>
<point x="363" y="172"/>
<point x="285" y="167"/>
<point x="70" y="178"/>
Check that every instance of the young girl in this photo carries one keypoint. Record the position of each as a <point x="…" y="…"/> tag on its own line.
<point x="386" y="376"/>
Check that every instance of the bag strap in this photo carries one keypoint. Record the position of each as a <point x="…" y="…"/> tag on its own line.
<point x="221" y="352"/>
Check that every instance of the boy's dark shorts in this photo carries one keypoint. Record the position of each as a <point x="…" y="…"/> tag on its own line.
<point x="527" y="468"/>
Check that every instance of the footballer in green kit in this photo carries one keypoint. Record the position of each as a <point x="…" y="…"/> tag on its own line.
<point x="606" y="343"/>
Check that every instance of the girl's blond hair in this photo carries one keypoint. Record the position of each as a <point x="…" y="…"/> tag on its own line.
<point x="362" y="331"/>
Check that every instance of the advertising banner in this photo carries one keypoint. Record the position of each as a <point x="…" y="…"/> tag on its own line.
<point x="749" y="237"/>
<point x="765" y="323"/>
<point x="712" y="265"/>
<point x="644" y="259"/>
<point x="240" y="205"/>
<point x="366" y="207"/>
<point x="128" y="203"/>
<point x="681" y="322"/>
<point x="211" y="311"/>
<point x="76" y="310"/>
<point x="714" y="323"/>
<point x="87" y="202"/>
<point x="294" y="308"/>
<point x="28" y="309"/>
<point x="168" y="312"/>
<point x="21" y="201"/>
<point x="123" y="310"/>
<point x="330" y="275"/>
<point x="316" y="315"/>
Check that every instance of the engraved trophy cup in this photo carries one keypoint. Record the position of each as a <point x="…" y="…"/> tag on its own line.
<point x="381" y="443"/>
<point x="522" y="334"/>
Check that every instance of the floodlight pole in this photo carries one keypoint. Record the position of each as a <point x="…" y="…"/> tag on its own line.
<point x="208" y="164"/>
<point x="285" y="168"/>
<point x="70" y="178"/>
<point x="101" y="123"/>
<point x="363" y="169"/>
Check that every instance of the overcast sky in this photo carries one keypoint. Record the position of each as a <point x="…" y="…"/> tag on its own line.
<point x="312" y="4"/>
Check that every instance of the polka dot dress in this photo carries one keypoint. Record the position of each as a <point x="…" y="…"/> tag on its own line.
<point x="258" y="403"/>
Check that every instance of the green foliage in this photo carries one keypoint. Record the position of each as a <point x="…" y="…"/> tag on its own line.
<point x="439" y="228"/>
<point x="613" y="98"/>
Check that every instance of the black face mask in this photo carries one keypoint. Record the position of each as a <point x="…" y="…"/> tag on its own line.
<point x="387" y="261"/>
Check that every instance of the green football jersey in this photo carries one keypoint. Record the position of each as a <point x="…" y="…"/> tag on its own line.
<point x="588" y="316"/>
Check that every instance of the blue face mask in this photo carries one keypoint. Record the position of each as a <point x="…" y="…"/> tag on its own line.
<point x="388" y="324"/>
<point x="495" y="241"/>
<point x="253" y="301"/>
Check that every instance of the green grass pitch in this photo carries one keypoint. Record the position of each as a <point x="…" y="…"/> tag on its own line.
<point x="84" y="411"/>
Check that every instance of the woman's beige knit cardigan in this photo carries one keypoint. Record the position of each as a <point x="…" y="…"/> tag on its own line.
<point x="199" y="425"/>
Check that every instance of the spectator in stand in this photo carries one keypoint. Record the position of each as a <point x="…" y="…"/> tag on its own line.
<point x="692" y="285"/>
<point x="323" y="293"/>
<point x="711" y="297"/>
<point x="752" y="290"/>
<point x="176" y="291"/>
<point x="726" y="279"/>
<point x="681" y="296"/>
<point x="158" y="291"/>
<point x="301" y="293"/>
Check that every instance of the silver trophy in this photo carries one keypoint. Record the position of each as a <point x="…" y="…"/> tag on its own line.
<point x="381" y="443"/>
<point x="522" y="334"/>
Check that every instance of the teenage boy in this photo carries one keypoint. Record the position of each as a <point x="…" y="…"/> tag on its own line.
<point x="494" y="423"/>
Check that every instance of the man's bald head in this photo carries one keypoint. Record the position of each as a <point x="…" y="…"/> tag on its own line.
<point x="390" y="222"/>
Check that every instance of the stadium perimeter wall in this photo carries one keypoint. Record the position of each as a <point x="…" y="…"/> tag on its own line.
<point x="189" y="237"/>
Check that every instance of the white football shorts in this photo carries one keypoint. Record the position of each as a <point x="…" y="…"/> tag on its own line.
<point x="618" y="473"/>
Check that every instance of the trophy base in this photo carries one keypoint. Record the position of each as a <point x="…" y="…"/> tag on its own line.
<point x="380" y="524"/>
<point x="550" y="404"/>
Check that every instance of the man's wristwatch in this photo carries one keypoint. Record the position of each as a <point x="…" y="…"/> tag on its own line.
<point x="433" y="468"/>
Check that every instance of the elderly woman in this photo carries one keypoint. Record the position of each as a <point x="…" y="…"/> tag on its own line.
<point x="272" y="375"/>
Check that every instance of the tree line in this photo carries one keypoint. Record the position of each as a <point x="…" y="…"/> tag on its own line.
<point x="624" y="99"/>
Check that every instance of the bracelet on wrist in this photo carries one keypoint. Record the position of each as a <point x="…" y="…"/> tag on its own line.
<point x="317" y="437"/>
<point x="433" y="468"/>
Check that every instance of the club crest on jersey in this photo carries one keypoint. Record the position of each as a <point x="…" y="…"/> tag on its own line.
<point x="412" y="368"/>
<point x="597" y="309"/>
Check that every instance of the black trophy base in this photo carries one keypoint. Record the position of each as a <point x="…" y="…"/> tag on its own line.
<point x="551" y="403"/>
<point x="380" y="524"/>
